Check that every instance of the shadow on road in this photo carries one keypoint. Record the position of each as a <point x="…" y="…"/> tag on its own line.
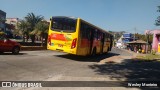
<point x="131" y="70"/>
<point x="96" y="58"/>
<point x="7" y="53"/>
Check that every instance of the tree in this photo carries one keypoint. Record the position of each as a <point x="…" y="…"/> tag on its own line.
<point x="143" y="37"/>
<point x="23" y="27"/>
<point x="157" y="23"/>
<point x="2" y="20"/>
<point x="32" y="19"/>
<point x="41" y="29"/>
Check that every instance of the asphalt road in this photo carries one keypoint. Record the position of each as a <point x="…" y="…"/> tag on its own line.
<point x="56" y="66"/>
<point x="46" y="65"/>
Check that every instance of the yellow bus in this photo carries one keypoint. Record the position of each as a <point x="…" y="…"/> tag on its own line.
<point x="76" y="36"/>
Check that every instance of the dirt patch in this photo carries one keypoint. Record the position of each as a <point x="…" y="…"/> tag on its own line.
<point x="113" y="59"/>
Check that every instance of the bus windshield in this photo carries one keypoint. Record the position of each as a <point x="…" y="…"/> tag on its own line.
<point x="63" y="24"/>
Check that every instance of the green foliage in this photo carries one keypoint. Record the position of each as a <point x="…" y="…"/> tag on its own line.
<point x="23" y="26"/>
<point x="148" y="57"/>
<point x="157" y="23"/>
<point x="29" y="23"/>
<point x="117" y="35"/>
<point x="144" y="37"/>
<point x="40" y="28"/>
<point x="153" y="52"/>
<point x="17" y="32"/>
<point x="2" y="20"/>
<point x="2" y="33"/>
<point x="32" y="19"/>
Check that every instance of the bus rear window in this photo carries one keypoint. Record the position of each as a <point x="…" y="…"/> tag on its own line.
<point x="63" y="24"/>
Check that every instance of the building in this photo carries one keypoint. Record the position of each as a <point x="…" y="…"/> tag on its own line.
<point x="156" y="39"/>
<point x="124" y="39"/>
<point x="127" y="37"/>
<point x="11" y="25"/>
<point x="13" y="21"/>
<point x="2" y="20"/>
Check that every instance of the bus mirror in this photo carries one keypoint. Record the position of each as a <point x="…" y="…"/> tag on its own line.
<point x="50" y="19"/>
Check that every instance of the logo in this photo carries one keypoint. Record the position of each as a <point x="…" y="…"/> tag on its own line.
<point x="6" y="84"/>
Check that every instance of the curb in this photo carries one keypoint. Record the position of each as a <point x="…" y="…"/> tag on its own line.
<point x="32" y="48"/>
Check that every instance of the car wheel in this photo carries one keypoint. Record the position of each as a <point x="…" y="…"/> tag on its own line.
<point x="15" y="50"/>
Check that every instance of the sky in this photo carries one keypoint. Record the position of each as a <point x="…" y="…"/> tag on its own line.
<point x="112" y="15"/>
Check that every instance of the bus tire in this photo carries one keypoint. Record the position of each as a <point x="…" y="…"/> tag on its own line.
<point x="94" y="52"/>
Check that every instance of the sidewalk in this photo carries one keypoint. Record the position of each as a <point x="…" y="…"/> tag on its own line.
<point x="133" y="53"/>
<point x="119" y="58"/>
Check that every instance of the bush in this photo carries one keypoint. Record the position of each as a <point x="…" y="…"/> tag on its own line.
<point x="153" y="52"/>
<point x="2" y="33"/>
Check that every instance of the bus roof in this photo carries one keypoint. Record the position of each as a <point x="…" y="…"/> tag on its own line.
<point x="75" y="18"/>
<point x="70" y="17"/>
<point x="96" y="27"/>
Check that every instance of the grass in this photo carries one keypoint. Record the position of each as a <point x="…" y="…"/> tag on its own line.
<point x="149" y="57"/>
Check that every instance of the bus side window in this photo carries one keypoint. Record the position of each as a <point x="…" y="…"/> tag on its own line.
<point x="89" y="29"/>
<point x="109" y="39"/>
<point x="83" y="30"/>
<point x="99" y="35"/>
<point x="92" y="33"/>
<point x="95" y="34"/>
<point x="106" y="37"/>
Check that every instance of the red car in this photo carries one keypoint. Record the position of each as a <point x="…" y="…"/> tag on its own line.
<point x="6" y="45"/>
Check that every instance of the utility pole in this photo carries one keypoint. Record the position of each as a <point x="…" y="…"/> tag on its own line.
<point x="134" y="33"/>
